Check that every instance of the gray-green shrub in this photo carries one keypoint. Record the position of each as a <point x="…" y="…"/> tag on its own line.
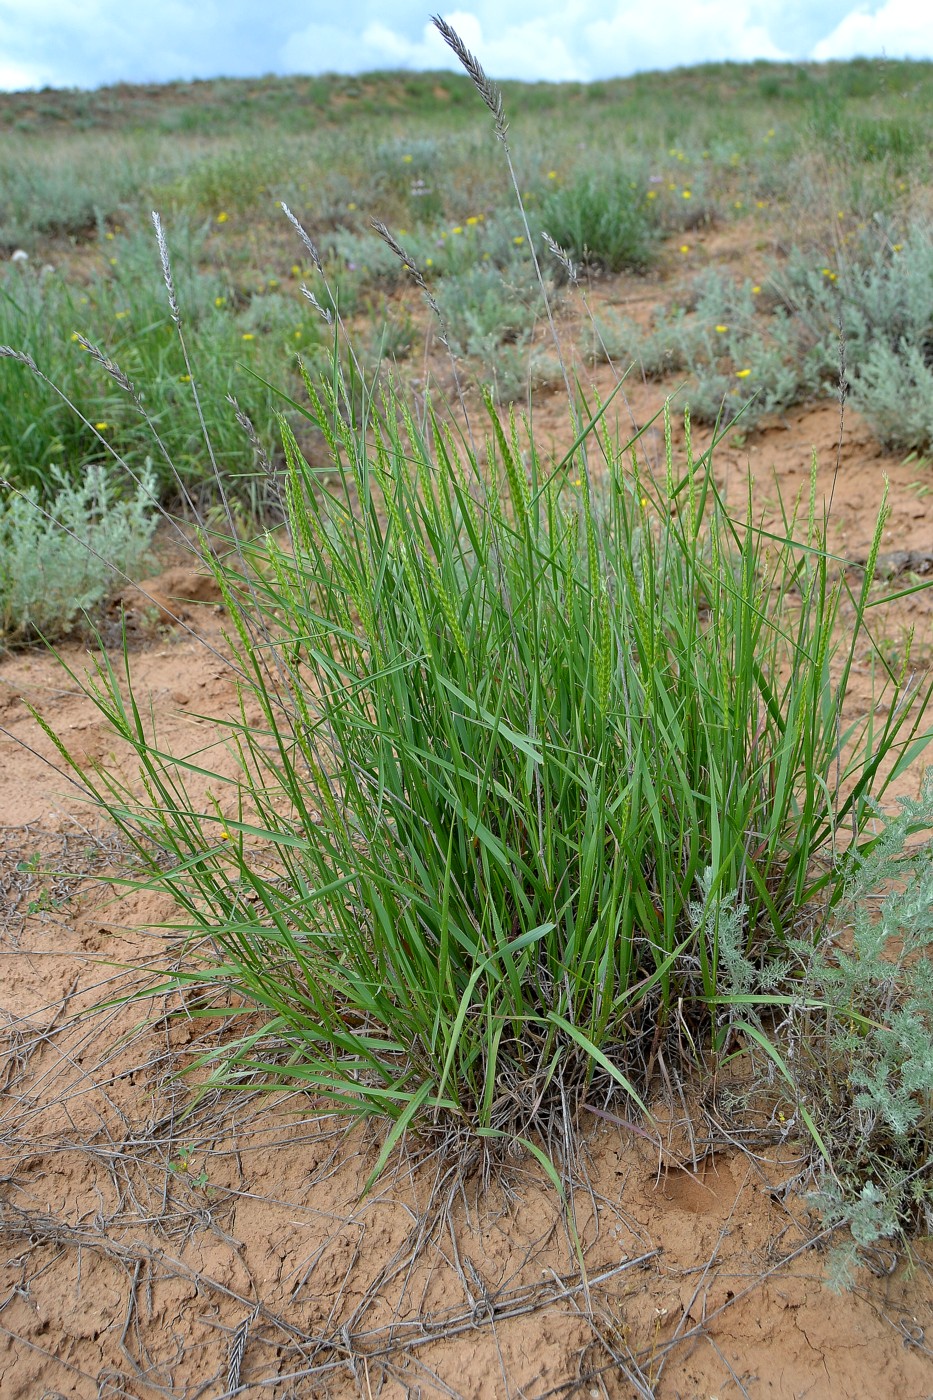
<point x="880" y="297"/>
<point x="863" y="1029"/>
<point x="61" y="556"/>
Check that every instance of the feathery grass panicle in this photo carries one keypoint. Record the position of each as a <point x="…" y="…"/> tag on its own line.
<point x="106" y="363"/>
<point x="246" y="423"/>
<point x="417" y="275"/>
<point x="166" y="267"/>
<point x="324" y="311"/>
<point x="489" y="91"/>
<point x="8" y="353"/>
<point x="404" y="257"/>
<point x="562" y="256"/>
<point x="303" y="235"/>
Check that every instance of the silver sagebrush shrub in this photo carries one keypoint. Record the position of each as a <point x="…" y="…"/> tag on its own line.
<point x="872" y="1092"/>
<point x="59" y="561"/>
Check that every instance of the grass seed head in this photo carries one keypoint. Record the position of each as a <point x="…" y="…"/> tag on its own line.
<point x="489" y="91"/>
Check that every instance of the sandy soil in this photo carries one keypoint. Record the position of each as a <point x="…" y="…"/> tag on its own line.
<point x="152" y="1248"/>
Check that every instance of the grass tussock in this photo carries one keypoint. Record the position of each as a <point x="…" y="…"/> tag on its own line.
<point x="541" y="763"/>
<point x="542" y="768"/>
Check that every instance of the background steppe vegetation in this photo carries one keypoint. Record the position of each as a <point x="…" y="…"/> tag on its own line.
<point x="543" y="793"/>
<point x="825" y="167"/>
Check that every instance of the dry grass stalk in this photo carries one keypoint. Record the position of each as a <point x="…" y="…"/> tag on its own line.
<point x="238" y="1351"/>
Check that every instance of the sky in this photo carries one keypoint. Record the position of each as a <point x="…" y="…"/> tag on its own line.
<point x="90" y="43"/>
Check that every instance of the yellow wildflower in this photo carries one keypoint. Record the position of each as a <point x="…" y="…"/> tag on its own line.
<point x="248" y="335"/>
<point x="222" y="217"/>
<point x="721" y="330"/>
<point x="518" y="240"/>
<point x="742" y="373"/>
<point x="101" y="427"/>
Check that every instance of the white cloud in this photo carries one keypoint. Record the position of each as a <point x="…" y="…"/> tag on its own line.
<point x="88" y="42"/>
<point x="667" y="33"/>
<point x="19" y="71"/>
<point x="430" y="51"/>
<point x="572" y="44"/>
<point x="323" y="48"/>
<point x="900" y="29"/>
<point x="16" y="77"/>
<point x="532" y="50"/>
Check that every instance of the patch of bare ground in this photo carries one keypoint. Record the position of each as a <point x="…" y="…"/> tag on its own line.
<point x="155" y="1244"/>
<point x="152" y="1248"/>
